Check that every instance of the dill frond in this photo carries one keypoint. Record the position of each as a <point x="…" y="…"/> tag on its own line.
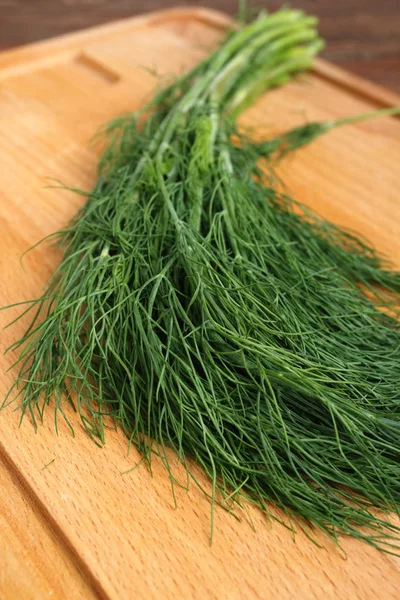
<point x="206" y="312"/>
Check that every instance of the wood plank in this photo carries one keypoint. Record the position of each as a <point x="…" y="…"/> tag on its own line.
<point x="34" y="562"/>
<point x="123" y="529"/>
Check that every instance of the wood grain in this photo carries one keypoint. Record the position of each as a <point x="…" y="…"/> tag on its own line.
<point x="34" y="563"/>
<point x="362" y="35"/>
<point x="122" y="530"/>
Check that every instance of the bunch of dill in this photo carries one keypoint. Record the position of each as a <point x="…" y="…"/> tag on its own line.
<point x="206" y="312"/>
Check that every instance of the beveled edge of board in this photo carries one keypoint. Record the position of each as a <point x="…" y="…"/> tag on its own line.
<point x="42" y="54"/>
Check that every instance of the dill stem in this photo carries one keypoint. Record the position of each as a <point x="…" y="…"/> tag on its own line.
<point x="382" y="112"/>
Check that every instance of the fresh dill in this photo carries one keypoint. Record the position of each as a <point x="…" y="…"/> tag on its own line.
<point x="207" y="312"/>
<point x="48" y="464"/>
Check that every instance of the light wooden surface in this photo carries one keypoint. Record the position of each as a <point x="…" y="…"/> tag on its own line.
<point x="34" y="562"/>
<point x="80" y="528"/>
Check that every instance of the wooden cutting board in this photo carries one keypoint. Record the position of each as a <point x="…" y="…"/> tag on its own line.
<point x="79" y="527"/>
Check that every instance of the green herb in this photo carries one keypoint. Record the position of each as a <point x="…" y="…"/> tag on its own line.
<point x="206" y="312"/>
<point x="48" y="464"/>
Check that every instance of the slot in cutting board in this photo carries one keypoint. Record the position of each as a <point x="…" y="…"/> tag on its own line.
<point x="79" y="528"/>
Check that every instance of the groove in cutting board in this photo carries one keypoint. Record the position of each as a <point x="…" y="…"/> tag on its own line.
<point x="103" y="71"/>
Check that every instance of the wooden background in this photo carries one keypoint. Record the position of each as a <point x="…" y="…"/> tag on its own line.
<point x="362" y="35"/>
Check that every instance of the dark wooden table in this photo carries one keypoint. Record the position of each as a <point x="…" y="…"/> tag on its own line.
<point x="362" y="35"/>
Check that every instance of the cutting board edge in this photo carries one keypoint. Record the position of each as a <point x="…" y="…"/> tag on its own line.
<point x="24" y="58"/>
